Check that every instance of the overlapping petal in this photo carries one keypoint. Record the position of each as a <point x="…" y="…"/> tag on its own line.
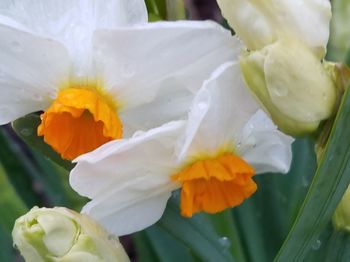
<point x="263" y="146"/>
<point x="220" y="110"/>
<point x="163" y="63"/>
<point x="31" y="70"/>
<point x="126" y="178"/>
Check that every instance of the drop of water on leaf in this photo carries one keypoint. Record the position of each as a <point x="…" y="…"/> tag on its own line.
<point x="305" y="182"/>
<point x="26" y="131"/>
<point x="225" y="242"/>
<point x="317" y="244"/>
<point x="16" y="47"/>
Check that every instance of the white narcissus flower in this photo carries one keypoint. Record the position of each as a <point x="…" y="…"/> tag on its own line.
<point x="286" y="41"/>
<point x="96" y="77"/>
<point x="60" y="234"/>
<point x="212" y="156"/>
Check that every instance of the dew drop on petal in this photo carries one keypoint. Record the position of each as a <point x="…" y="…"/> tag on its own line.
<point x="202" y="105"/>
<point x="128" y="71"/>
<point x="281" y="90"/>
<point x="16" y="47"/>
<point x="225" y="242"/>
<point x="53" y="94"/>
<point x="37" y="97"/>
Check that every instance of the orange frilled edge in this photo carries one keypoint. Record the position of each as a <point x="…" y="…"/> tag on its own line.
<point x="79" y="121"/>
<point x="212" y="185"/>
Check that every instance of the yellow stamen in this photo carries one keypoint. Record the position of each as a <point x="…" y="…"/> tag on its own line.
<point x="79" y="121"/>
<point x="212" y="185"/>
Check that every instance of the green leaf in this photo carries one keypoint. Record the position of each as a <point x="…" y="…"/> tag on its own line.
<point x="20" y="170"/>
<point x="144" y="249"/>
<point x="26" y="128"/>
<point x="167" y="248"/>
<point x="269" y="212"/>
<point x="197" y="233"/>
<point x="157" y="8"/>
<point x="11" y="205"/>
<point x="6" y="251"/>
<point x="225" y="225"/>
<point x="327" y="188"/>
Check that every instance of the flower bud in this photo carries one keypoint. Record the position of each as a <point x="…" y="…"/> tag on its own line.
<point x="59" y="234"/>
<point x="341" y="217"/>
<point x="291" y="84"/>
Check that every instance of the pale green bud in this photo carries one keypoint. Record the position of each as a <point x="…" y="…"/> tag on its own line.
<point x="291" y="84"/>
<point x="60" y="235"/>
<point x="341" y="217"/>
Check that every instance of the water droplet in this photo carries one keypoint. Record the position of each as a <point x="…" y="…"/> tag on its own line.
<point x="128" y="71"/>
<point x="324" y="97"/>
<point x="309" y="116"/>
<point x="16" y="47"/>
<point x="27" y="132"/>
<point x="225" y="242"/>
<point x="202" y="105"/>
<point x="305" y="182"/>
<point x="317" y="244"/>
<point x="280" y="90"/>
<point x="37" y="97"/>
<point x="53" y="94"/>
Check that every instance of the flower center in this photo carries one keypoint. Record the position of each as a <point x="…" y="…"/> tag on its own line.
<point x="212" y="185"/>
<point x="79" y="121"/>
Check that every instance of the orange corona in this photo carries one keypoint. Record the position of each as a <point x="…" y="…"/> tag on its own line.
<point x="79" y="121"/>
<point x="214" y="184"/>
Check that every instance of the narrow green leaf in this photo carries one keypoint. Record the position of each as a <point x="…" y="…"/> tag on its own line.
<point x="145" y="251"/>
<point x="20" y="170"/>
<point x="197" y="233"/>
<point x="6" y="251"/>
<point x="11" y="205"/>
<point x="26" y="128"/>
<point x="327" y="188"/>
<point x="167" y="248"/>
<point x="157" y="8"/>
<point x="225" y="225"/>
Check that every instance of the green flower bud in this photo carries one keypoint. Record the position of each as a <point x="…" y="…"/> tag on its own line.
<point x="341" y="217"/>
<point x="59" y="234"/>
<point x="291" y="84"/>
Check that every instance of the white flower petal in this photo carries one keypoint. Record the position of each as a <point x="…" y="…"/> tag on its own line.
<point x="172" y="104"/>
<point x="137" y="62"/>
<point x="264" y="147"/>
<point x="125" y="178"/>
<point x="133" y="218"/>
<point x="31" y="70"/>
<point x="259" y="23"/>
<point x="73" y="22"/>
<point x="62" y="18"/>
<point x="219" y="111"/>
